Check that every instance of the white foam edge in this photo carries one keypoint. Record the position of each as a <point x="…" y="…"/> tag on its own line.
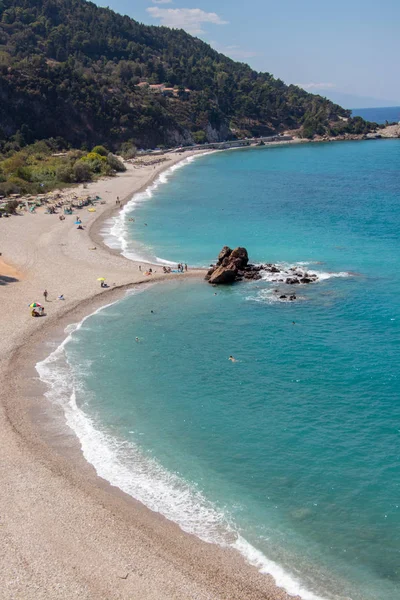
<point x="115" y="232"/>
<point x="285" y="272"/>
<point x="158" y="489"/>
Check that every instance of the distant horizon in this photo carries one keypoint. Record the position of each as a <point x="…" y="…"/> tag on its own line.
<point x="351" y="101"/>
<point x="374" y="107"/>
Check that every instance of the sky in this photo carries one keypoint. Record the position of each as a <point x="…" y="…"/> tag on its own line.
<point x="347" y="50"/>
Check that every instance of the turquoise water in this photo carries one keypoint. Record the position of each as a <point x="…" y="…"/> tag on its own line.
<point x="290" y="454"/>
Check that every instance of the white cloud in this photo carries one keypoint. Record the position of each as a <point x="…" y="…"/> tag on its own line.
<point x="190" y="19"/>
<point x="316" y="86"/>
<point x="162" y="1"/>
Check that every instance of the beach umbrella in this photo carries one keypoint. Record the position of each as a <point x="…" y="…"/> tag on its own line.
<point x="101" y="279"/>
<point x="34" y="305"/>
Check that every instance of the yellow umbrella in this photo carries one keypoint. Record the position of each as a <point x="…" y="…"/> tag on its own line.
<point x="101" y="279"/>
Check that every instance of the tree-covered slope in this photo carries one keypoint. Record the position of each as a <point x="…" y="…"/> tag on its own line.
<point x="71" y="69"/>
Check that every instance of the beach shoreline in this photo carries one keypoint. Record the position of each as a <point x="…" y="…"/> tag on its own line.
<point x="67" y="533"/>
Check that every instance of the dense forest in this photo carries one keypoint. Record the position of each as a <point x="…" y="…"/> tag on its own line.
<point x="70" y="71"/>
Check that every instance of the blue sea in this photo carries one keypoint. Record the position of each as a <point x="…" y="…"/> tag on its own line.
<point x="378" y="115"/>
<point x="291" y="454"/>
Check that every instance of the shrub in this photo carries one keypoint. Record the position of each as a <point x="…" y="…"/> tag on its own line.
<point x="128" y="150"/>
<point x="82" y="171"/>
<point x="199" y="137"/>
<point x="24" y="173"/>
<point x="74" y="155"/>
<point x="95" y="161"/>
<point x="10" y="165"/>
<point x="65" y="173"/>
<point x="115" y="163"/>
<point x="41" y="148"/>
<point x="100" y="150"/>
<point x="12" y="206"/>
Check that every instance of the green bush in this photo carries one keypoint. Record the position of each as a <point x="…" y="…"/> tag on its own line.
<point x="65" y="173"/>
<point x="82" y="171"/>
<point x="12" y="206"/>
<point x="95" y="161"/>
<point x="115" y="163"/>
<point x="128" y="150"/>
<point x="199" y="137"/>
<point x="100" y="150"/>
<point x="24" y="173"/>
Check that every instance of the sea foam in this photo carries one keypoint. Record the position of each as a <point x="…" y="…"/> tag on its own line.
<point x="116" y="232"/>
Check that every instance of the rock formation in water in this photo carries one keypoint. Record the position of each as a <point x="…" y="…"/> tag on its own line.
<point x="233" y="265"/>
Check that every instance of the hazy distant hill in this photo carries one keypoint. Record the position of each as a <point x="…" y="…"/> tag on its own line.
<point x="71" y="69"/>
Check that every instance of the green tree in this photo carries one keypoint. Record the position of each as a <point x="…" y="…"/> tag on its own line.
<point x="82" y="171"/>
<point x="100" y="150"/>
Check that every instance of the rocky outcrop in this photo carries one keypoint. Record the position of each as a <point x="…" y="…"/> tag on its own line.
<point x="233" y="265"/>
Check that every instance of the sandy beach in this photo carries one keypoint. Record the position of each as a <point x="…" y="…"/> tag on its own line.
<point x="65" y="533"/>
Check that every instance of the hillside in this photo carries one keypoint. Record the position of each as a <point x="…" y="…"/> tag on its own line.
<point x="72" y="70"/>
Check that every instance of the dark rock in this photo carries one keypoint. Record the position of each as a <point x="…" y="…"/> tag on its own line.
<point x="240" y="253"/>
<point x="292" y="280"/>
<point x="226" y="251"/>
<point x="283" y="297"/>
<point x="254" y="268"/>
<point x="306" y="280"/>
<point x="253" y="275"/>
<point x="271" y="268"/>
<point x="292" y="297"/>
<point x="223" y="275"/>
<point x="230" y="266"/>
<point x="209" y="273"/>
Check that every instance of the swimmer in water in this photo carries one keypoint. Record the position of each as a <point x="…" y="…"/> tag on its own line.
<point x="137" y="339"/>
<point x="232" y="359"/>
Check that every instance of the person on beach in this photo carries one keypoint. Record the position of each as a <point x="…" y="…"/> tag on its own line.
<point x="186" y="267"/>
<point x="140" y="267"/>
<point x="45" y="294"/>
